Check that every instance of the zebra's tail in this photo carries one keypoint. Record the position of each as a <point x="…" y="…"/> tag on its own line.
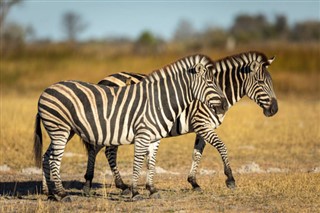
<point x="37" y="145"/>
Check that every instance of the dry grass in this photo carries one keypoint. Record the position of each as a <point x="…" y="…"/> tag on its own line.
<point x="276" y="161"/>
<point x="295" y="70"/>
<point x="285" y="148"/>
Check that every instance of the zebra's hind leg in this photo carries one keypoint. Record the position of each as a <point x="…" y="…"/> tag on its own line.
<point x="151" y="161"/>
<point x="196" y="157"/>
<point x="51" y="168"/>
<point x="46" y="172"/>
<point x="46" y="167"/>
<point x="141" y="145"/>
<point x="111" y="155"/>
<point x="92" y="154"/>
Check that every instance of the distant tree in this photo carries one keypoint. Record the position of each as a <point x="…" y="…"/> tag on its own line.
<point x="146" y="38"/>
<point x="12" y="38"/>
<point x="306" y="31"/>
<point x="147" y="43"/>
<point x="5" y="6"/>
<point x="215" y="37"/>
<point x="13" y="32"/>
<point x="30" y="34"/>
<point x="184" y="31"/>
<point x="281" y="25"/>
<point x="72" y="25"/>
<point x="251" y="28"/>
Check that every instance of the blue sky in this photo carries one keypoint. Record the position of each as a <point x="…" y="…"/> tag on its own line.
<point x="129" y="18"/>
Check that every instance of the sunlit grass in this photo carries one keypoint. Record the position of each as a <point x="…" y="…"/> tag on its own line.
<point x="286" y="144"/>
<point x="291" y="192"/>
<point x="295" y="70"/>
<point x="287" y="140"/>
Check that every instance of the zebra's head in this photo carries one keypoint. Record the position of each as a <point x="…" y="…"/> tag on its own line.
<point x="207" y="90"/>
<point x="258" y="85"/>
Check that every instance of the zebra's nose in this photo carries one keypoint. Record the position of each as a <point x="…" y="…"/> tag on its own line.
<point x="273" y="109"/>
<point x="222" y="107"/>
<point x="224" y="103"/>
<point x="274" y="106"/>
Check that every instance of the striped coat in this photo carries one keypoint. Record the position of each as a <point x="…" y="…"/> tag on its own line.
<point x="105" y="116"/>
<point x="238" y="75"/>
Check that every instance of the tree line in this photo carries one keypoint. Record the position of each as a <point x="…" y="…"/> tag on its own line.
<point x="245" y="29"/>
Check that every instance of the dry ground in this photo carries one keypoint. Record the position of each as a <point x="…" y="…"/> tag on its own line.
<point x="276" y="163"/>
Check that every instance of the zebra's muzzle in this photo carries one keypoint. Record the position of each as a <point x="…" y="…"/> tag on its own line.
<point x="222" y="107"/>
<point x="272" y="110"/>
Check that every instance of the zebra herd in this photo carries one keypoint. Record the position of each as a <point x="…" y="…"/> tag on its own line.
<point x="189" y="95"/>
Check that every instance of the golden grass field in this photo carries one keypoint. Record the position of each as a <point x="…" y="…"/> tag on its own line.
<point x="276" y="161"/>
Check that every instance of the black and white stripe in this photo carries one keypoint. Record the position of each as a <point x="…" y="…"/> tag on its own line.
<point x="238" y="75"/>
<point x="112" y="116"/>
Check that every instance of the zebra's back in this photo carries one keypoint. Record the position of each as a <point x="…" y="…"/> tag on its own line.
<point x="93" y="112"/>
<point x="184" y="123"/>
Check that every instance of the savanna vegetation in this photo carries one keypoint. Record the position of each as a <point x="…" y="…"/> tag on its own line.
<point x="276" y="161"/>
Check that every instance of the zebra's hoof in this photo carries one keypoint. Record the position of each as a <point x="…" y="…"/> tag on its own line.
<point x="66" y="199"/>
<point x="231" y="184"/>
<point x="126" y="191"/>
<point x="155" y="195"/>
<point x="52" y="198"/>
<point x="86" y="191"/>
<point x="197" y="189"/>
<point x="45" y="191"/>
<point x="194" y="184"/>
<point x="137" y="197"/>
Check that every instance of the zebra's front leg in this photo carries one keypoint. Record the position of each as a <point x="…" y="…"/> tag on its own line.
<point x="111" y="155"/>
<point x="212" y="138"/>
<point x="92" y="154"/>
<point x="196" y="157"/>
<point x="151" y="162"/>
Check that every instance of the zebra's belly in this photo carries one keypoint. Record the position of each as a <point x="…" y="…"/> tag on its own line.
<point x="122" y="137"/>
<point x="108" y="136"/>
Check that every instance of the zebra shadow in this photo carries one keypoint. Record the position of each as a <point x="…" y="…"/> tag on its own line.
<point x="25" y="188"/>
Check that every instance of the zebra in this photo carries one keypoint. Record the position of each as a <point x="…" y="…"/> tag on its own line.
<point x="105" y="116"/>
<point x="238" y="75"/>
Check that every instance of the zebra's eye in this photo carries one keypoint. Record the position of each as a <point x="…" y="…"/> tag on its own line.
<point x="260" y="81"/>
<point x="210" y="82"/>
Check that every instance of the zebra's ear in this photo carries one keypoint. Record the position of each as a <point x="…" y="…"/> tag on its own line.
<point x="271" y="60"/>
<point x="199" y="69"/>
<point x="128" y="81"/>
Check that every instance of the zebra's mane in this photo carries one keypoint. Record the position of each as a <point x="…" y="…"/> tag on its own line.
<point x="187" y="63"/>
<point x="245" y="58"/>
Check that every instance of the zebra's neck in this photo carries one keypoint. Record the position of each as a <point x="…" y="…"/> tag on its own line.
<point x="169" y="91"/>
<point x="169" y="82"/>
<point x="177" y="78"/>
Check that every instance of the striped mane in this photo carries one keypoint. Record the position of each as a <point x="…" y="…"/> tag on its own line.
<point x="248" y="57"/>
<point x="243" y="59"/>
<point x="184" y="63"/>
